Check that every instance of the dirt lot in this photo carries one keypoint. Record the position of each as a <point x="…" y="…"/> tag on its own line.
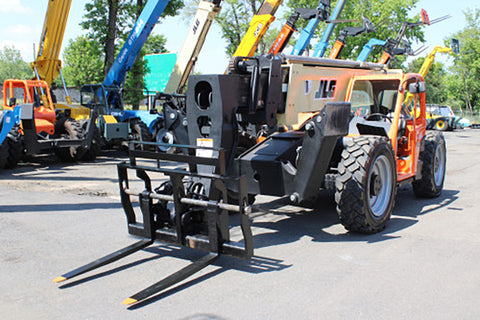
<point x="55" y="217"/>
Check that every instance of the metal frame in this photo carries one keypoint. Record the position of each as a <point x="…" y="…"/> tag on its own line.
<point x="216" y="241"/>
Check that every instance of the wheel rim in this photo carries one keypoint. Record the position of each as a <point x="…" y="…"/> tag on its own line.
<point x="440" y="124"/>
<point x="439" y="164"/>
<point x="380" y="186"/>
<point x="165" y="136"/>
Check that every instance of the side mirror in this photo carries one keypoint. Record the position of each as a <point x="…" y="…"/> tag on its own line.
<point x="417" y="87"/>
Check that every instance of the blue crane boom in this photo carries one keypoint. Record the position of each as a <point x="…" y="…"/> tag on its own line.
<point x="321" y="47"/>
<point x="306" y="35"/>
<point x="115" y="121"/>
<point x="367" y="49"/>
<point x="135" y="41"/>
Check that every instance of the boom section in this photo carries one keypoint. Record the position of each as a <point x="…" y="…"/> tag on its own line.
<point x="206" y="12"/>
<point x="135" y="41"/>
<point x="47" y="65"/>
<point x="258" y="27"/>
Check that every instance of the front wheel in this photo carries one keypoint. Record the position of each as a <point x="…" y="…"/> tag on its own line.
<point x="16" y="147"/>
<point x="96" y="143"/>
<point x="434" y="159"/>
<point x="4" y="148"/>
<point x="68" y="129"/>
<point x="366" y="184"/>
<point x="140" y="131"/>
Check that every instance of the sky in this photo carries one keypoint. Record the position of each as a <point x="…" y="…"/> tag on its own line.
<point x="22" y="21"/>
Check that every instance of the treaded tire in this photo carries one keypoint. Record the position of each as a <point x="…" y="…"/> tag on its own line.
<point x="4" y="147"/>
<point x="434" y="158"/>
<point x="92" y="153"/>
<point x="71" y="129"/>
<point x="16" y="147"/>
<point x="366" y="185"/>
<point x="141" y="131"/>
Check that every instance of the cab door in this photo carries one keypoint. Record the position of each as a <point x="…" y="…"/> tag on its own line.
<point x="413" y="128"/>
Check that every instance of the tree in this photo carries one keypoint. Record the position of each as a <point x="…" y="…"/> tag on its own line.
<point x="465" y="85"/>
<point x="12" y="65"/>
<point x="82" y="62"/>
<point x="107" y="21"/>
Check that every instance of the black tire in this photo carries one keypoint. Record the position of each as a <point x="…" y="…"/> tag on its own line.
<point x="4" y="147"/>
<point x="434" y="158"/>
<point x="441" y="125"/>
<point x="366" y="184"/>
<point x="69" y="129"/>
<point x="92" y="153"/>
<point x="16" y="147"/>
<point x="140" y="131"/>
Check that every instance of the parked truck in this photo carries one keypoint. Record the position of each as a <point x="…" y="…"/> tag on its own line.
<point x="355" y="136"/>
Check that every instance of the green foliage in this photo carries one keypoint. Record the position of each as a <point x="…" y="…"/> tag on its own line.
<point x="96" y="18"/>
<point x="464" y="84"/>
<point x="107" y="21"/>
<point x="234" y="21"/>
<point x="436" y="85"/>
<point x="82" y="62"/>
<point x="394" y="12"/>
<point x="12" y="65"/>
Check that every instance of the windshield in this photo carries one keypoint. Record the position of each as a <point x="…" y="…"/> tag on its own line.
<point x="92" y="95"/>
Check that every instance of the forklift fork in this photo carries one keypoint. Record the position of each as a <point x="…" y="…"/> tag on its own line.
<point x="216" y="239"/>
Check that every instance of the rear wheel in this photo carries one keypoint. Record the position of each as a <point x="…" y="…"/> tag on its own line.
<point x="366" y="184"/>
<point x="434" y="158"/>
<point x="95" y="146"/>
<point x="70" y="129"/>
<point x="15" y="142"/>
<point x="441" y="125"/>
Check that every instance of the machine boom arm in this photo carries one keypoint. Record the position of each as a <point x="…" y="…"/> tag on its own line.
<point x="431" y="58"/>
<point x="206" y="12"/>
<point x="258" y="26"/>
<point x="47" y="65"/>
<point x="321" y="47"/>
<point x="135" y="41"/>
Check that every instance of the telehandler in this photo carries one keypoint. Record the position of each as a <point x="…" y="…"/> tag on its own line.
<point x="353" y="135"/>
<point x="33" y="121"/>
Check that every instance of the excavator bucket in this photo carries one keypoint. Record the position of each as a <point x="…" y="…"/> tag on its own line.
<point x="189" y="208"/>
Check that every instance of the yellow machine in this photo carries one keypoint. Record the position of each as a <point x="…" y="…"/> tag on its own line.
<point x="428" y="63"/>
<point x="47" y="66"/>
<point x="258" y="27"/>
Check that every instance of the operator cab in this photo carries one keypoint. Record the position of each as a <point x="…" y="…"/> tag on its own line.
<point x="373" y="106"/>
